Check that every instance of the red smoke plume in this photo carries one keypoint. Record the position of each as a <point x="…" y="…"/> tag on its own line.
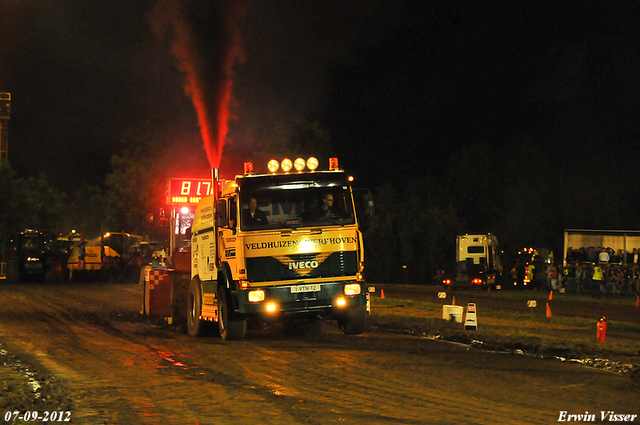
<point x="206" y="44"/>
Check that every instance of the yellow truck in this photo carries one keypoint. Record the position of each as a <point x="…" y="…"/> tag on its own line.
<point x="280" y="246"/>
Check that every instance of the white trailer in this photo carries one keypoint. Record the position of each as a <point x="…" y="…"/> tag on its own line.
<point x="477" y="262"/>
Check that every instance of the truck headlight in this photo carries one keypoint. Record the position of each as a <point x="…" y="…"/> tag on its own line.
<point x="256" y="296"/>
<point x="352" y="289"/>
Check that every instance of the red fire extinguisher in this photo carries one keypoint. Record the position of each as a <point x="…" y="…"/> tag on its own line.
<point x="601" y="329"/>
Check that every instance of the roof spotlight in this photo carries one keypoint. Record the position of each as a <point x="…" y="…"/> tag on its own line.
<point x="299" y="164"/>
<point x="286" y="165"/>
<point x="312" y="163"/>
<point x="273" y="166"/>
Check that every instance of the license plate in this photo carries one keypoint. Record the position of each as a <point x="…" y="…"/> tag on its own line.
<point x="305" y="288"/>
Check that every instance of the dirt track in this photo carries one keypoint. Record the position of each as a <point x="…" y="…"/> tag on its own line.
<point x="117" y="367"/>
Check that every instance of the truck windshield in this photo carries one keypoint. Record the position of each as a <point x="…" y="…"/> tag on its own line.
<point x="290" y="201"/>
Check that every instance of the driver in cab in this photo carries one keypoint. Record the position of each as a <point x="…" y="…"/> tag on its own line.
<point x="324" y="210"/>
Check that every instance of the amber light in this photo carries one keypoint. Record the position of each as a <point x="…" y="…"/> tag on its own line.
<point x="273" y="166"/>
<point x="286" y="165"/>
<point x="272" y="307"/>
<point x="299" y="164"/>
<point x="312" y="163"/>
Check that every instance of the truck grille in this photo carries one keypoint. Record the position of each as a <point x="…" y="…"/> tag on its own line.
<point x="302" y="266"/>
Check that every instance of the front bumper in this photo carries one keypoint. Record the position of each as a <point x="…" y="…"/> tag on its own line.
<point x="283" y="300"/>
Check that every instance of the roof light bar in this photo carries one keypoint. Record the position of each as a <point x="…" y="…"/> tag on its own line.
<point x="286" y="165"/>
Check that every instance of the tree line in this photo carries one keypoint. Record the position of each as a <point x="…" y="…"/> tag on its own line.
<point x="523" y="193"/>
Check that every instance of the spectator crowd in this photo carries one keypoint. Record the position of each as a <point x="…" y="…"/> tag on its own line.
<point x="589" y="270"/>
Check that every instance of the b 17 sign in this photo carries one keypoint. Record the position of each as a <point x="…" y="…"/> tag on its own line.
<point x="187" y="191"/>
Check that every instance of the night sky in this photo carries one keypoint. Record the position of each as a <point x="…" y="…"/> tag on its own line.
<point x="401" y="85"/>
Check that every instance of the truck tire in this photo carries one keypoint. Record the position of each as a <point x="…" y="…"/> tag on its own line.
<point x="230" y="327"/>
<point x="354" y="320"/>
<point x="195" y="325"/>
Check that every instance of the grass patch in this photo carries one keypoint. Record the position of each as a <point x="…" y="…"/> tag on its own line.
<point x="569" y="337"/>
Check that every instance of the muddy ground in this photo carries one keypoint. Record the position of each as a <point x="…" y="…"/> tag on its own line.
<point x="84" y="318"/>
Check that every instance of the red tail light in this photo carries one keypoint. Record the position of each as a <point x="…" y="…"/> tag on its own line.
<point x="447" y="281"/>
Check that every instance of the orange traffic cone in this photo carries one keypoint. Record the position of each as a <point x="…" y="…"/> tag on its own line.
<point x="548" y="310"/>
<point x="454" y="300"/>
<point x="551" y="295"/>
<point x="382" y="294"/>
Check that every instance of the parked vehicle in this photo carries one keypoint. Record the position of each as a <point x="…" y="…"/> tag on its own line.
<point x="36" y="256"/>
<point x="477" y="263"/>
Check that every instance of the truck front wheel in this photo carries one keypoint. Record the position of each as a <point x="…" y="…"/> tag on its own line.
<point x="354" y="320"/>
<point x="195" y="325"/>
<point x="230" y="327"/>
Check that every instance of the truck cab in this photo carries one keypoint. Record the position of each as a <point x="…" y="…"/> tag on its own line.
<point x="278" y="247"/>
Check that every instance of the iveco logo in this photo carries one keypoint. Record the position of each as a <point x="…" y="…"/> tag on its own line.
<point x="303" y="264"/>
<point x="297" y="265"/>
